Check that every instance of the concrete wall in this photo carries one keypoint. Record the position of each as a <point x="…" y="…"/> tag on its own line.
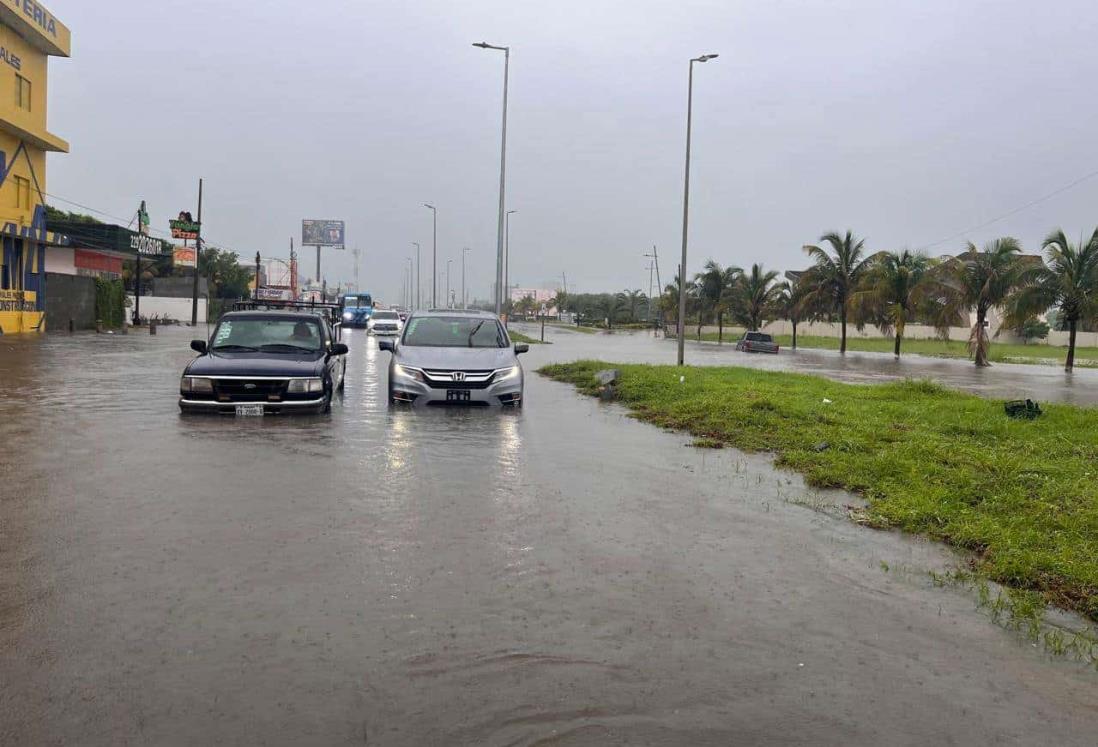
<point x="175" y="287"/>
<point x="69" y="297"/>
<point x="911" y="332"/>
<point x="161" y="307"/>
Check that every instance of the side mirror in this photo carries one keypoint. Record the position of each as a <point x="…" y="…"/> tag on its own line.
<point x="198" y="346"/>
<point x="385" y="345"/>
<point x="338" y="348"/>
<point x="521" y="347"/>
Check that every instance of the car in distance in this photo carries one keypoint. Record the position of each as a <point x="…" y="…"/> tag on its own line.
<point x="455" y="357"/>
<point x="756" y="342"/>
<point x="385" y="322"/>
<point x="265" y="362"/>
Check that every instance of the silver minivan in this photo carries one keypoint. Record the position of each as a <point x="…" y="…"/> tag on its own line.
<point x="455" y="357"/>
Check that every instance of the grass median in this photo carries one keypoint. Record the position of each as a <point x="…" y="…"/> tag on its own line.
<point x="519" y="337"/>
<point x="1021" y="495"/>
<point x="1001" y="352"/>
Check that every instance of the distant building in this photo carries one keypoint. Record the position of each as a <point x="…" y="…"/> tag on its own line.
<point x="29" y="36"/>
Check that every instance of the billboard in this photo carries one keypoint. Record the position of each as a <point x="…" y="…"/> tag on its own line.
<point x="322" y="233"/>
<point x="183" y="256"/>
<point x="184" y="227"/>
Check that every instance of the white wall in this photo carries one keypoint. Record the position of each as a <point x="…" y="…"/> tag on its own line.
<point x="61" y="260"/>
<point x="163" y="307"/>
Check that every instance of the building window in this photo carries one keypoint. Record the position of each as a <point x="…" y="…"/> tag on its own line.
<point x="22" y="92"/>
<point x="22" y="192"/>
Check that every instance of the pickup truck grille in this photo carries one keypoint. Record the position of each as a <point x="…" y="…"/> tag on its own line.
<point x="248" y="390"/>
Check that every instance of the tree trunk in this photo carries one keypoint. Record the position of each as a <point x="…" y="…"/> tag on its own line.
<point x="980" y="338"/>
<point x="794" y="335"/>
<point x="720" y="327"/>
<point x="899" y="336"/>
<point x="1071" y="346"/>
<point x="842" y="322"/>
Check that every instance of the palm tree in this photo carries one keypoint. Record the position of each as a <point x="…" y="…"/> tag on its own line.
<point x="894" y="286"/>
<point x="712" y="284"/>
<point x="755" y="294"/>
<point x="981" y="279"/>
<point x="632" y="299"/>
<point x="836" y="275"/>
<point x="1068" y="282"/>
<point x="793" y="302"/>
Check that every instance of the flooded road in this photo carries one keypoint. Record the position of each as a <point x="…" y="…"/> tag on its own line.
<point x="563" y="575"/>
<point x="1000" y="381"/>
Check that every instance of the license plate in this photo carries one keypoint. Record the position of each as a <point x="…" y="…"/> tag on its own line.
<point x="250" y="410"/>
<point x="457" y="395"/>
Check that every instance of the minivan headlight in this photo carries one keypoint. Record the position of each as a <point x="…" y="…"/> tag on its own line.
<point x="407" y="372"/>
<point x="195" y="384"/>
<point x="302" y="386"/>
<point x="505" y="374"/>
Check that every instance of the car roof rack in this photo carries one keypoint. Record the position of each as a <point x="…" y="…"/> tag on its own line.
<point x="331" y="310"/>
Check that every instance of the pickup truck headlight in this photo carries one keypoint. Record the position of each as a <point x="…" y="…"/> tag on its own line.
<point x="302" y="386"/>
<point x="196" y="384"/>
<point x="407" y="372"/>
<point x="505" y="374"/>
<point x="348" y="315"/>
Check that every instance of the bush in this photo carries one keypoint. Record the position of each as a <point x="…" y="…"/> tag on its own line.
<point x="110" y="302"/>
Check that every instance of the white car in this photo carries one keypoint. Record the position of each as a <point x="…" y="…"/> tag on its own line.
<point x="385" y="322"/>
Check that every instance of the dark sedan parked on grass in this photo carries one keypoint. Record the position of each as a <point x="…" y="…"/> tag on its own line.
<point x="265" y="362"/>
<point x="756" y="342"/>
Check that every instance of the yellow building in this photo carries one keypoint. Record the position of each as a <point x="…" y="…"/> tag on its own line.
<point x="29" y="35"/>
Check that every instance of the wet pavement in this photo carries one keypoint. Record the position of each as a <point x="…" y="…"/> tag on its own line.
<point x="561" y="575"/>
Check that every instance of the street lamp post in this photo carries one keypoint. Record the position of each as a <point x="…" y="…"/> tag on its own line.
<point x="686" y="205"/>
<point x="464" y="298"/>
<point x="448" y="283"/>
<point x="502" y="174"/>
<point x="419" y="275"/>
<point x="507" y="256"/>
<point x="408" y="303"/>
<point x="434" y="254"/>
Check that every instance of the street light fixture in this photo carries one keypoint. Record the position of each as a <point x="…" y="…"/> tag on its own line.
<point x="419" y="275"/>
<point x="434" y="254"/>
<point x="502" y="173"/>
<point x="686" y="205"/>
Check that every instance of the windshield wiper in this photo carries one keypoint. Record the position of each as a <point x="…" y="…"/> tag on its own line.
<point x="235" y="347"/>
<point x="284" y="345"/>
<point x="475" y="330"/>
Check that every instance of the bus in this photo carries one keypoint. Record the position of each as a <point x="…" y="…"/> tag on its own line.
<point x="357" y="309"/>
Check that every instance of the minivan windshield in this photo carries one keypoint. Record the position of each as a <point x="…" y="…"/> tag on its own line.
<point x="267" y="335"/>
<point x="455" y="332"/>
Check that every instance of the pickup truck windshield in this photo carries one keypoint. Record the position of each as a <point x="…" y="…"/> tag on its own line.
<point x="455" y="332"/>
<point x="267" y="335"/>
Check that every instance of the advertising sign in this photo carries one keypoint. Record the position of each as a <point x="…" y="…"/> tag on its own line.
<point x="183" y="256"/>
<point x="322" y="233"/>
<point x="184" y="227"/>
<point x="274" y="294"/>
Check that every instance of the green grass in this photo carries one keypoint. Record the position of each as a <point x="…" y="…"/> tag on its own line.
<point x="1021" y="495"/>
<point x="1001" y="352"/>
<point x="519" y="337"/>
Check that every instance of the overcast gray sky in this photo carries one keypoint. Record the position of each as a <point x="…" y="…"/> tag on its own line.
<point x="908" y="121"/>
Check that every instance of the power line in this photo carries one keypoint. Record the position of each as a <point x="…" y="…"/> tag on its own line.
<point x="1016" y="210"/>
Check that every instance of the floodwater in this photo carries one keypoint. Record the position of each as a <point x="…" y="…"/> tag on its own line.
<point x="563" y="575"/>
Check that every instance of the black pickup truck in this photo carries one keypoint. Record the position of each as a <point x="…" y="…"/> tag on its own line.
<point x="260" y="362"/>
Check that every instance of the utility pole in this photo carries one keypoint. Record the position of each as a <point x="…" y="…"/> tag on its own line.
<point x="257" y="276"/>
<point x="419" y="275"/>
<point x="434" y="254"/>
<point x="293" y="271"/>
<point x="197" y="260"/>
<point x="659" y="284"/>
<point x="355" y="253"/>
<point x="464" y="298"/>
<point x="686" y="205"/>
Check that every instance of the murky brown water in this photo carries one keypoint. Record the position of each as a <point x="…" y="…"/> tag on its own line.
<point x="562" y="575"/>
